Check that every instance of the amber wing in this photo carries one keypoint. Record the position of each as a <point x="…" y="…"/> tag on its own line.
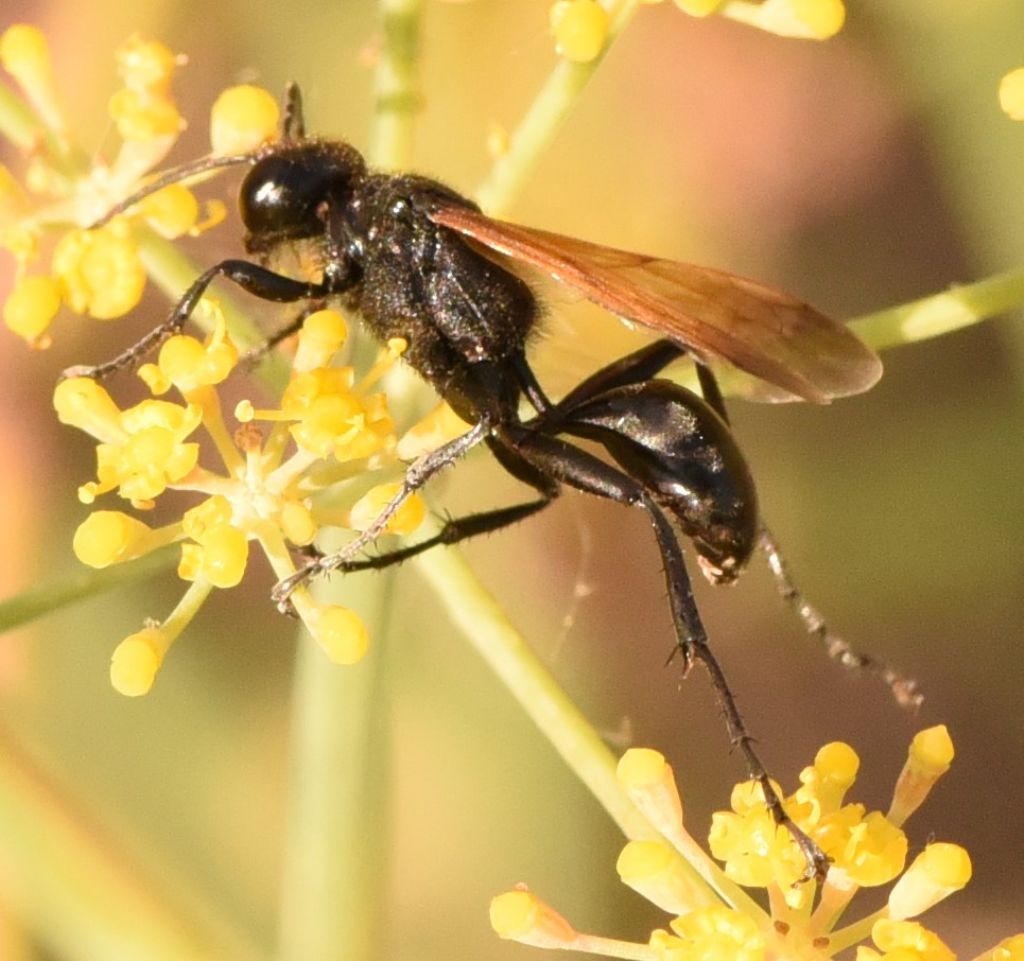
<point x="714" y="314"/>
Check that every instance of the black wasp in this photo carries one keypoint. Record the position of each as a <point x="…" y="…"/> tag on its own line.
<point x="418" y="261"/>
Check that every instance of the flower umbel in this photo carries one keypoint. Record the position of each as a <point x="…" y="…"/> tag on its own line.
<point x="713" y="917"/>
<point x="44" y="224"/>
<point x="277" y="488"/>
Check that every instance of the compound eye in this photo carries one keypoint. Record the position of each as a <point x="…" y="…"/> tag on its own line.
<point x="279" y="199"/>
<point x="285" y="194"/>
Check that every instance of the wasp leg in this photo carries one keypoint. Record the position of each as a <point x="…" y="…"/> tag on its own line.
<point x="454" y="531"/>
<point x="641" y="365"/>
<point x="582" y="470"/>
<point x="254" y="279"/>
<point x="415" y="477"/>
<point x="904" y="689"/>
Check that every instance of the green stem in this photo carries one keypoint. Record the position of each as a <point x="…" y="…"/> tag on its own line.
<point x="942" y="313"/>
<point x="78" y="893"/>
<point x="17" y="121"/>
<point x="335" y="851"/>
<point x="545" y="115"/>
<point x="397" y="97"/>
<point x="488" y="630"/>
<point x="506" y="652"/>
<point x="338" y="827"/>
<point x="21" y="609"/>
<point x="20" y="125"/>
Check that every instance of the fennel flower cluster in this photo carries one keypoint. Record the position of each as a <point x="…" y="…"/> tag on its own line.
<point x="712" y="915"/>
<point x="582" y="28"/>
<point x="275" y="477"/>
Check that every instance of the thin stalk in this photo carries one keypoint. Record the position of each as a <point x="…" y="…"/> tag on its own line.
<point x="506" y="652"/>
<point x="395" y="85"/>
<point x="942" y="313"/>
<point x="553" y="103"/>
<point x="21" y="609"/>
<point x="338" y="826"/>
<point x="78" y="892"/>
<point x="20" y="125"/>
<point x="334" y="857"/>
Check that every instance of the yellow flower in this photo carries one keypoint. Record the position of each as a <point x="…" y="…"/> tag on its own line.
<point x="67" y="188"/>
<point x="712" y="917"/>
<point x="904" y="941"/>
<point x="277" y="490"/>
<point x="1011" y="94"/>
<point x="801" y="19"/>
<point x="580" y="28"/>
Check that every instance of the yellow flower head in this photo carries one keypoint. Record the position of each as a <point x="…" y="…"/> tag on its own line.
<point x="44" y="224"/>
<point x="800" y="19"/>
<point x="714" y="919"/>
<point x="1011" y="94"/>
<point x="277" y="490"/>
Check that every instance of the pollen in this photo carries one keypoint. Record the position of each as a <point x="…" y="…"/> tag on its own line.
<point x="219" y="555"/>
<point x="866" y="847"/>
<point x="242" y="118"/>
<point x="580" y="28"/>
<point x="25" y="55"/>
<point x="904" y="941"/>
<point x="803" y="19"/>
<point x="931" y="751"/>
<point x="1009" y="949"/>
<point x="140" y="116"/>
<point x="82" y="403"/>
<point x="333" y="420"/>
<point x="31" y="306"/>
<point x="715" y="920"/>
<point x="146" y="65"/>
<point x="929" y="758"/>
<point x="190" y="364"/>
<point x="152" y="454"/>
<point x="322" y="335"/>
<point x="655" y="871"/>
<point x="24" y="52"/>
<point x="298" y="523"/>
<point x="1011" y="94"/>
<point x="825" y="783"/>
<point x="136" y="661"/>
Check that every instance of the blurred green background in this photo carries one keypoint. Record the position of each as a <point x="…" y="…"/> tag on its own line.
<point x="859" y="173"/>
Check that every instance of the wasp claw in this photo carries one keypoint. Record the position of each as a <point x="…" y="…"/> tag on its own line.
<point x="281" y="594"/>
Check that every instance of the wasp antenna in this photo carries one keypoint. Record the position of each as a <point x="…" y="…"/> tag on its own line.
<point x="293" y="126"/>
<point x="175" y="175"/>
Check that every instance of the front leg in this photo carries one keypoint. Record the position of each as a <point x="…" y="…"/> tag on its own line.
<point x="259" y="281"/>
